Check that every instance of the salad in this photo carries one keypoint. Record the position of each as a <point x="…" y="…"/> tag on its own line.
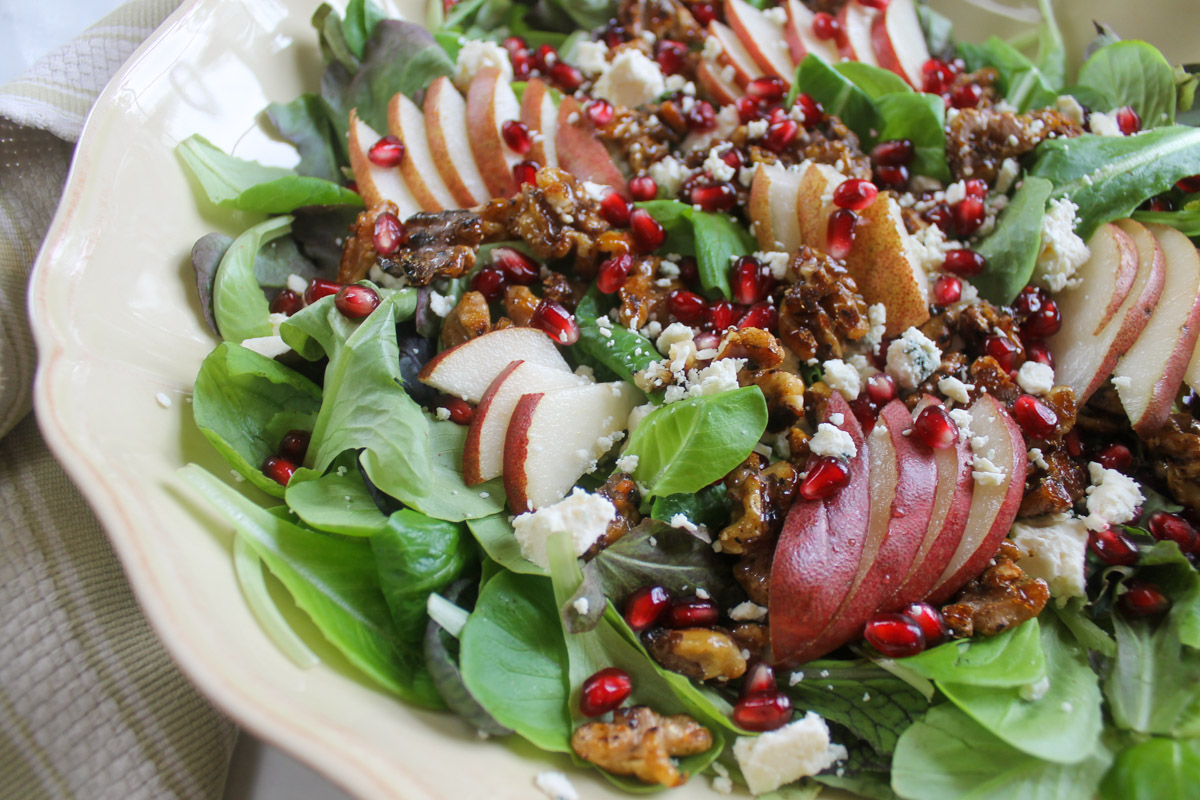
<point x="782" y="396"/>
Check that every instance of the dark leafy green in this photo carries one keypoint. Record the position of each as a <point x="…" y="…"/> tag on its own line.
<point x="708" y="507"/>
<point x="714" y="239"/>
<point x="656" y="553"/>
<point x="399" y="57"/>
<point x="841" y="95"/>
<point x="1134" y="74"/>
<point x="305" y="123"/>
<point x="207" y="253"/>
<point x="623" y="351"/>
<point x="875" y="82"/>
<point x="920" y="118"/>
<point x="278" y="260"/>
<point x="447" y="677"/>
<point x="1153" y="770"/>
<point x="1010" y="659"/>
<point x="335" y="503"/>
<point x="1012" y="248"/>
<point x="361" y="18"/>
<point x="1020" y="80"/>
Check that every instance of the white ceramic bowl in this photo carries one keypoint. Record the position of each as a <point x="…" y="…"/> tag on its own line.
<point x="117" y="323"/>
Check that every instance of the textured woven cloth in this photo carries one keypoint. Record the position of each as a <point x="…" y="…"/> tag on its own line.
<point x="91" y="707"/>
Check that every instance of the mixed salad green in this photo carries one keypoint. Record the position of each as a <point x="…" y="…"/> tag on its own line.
<point x="417" y="579"/>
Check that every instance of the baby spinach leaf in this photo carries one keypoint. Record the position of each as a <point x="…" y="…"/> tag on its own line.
<point x="656" y="553"/>
<point x="1110" y="176"/>
<point x="874" y="704"/>
<point x="1134" y="74"/>
<point x="684" y="446"/>
<point x="1154" y="769"/>
<point x="939" y="32"/>
<point x="840" y="94"/>
<point x="623" y="351"/>
<point x="239" y="306"/>
<point x="1184" y="220"/>
<point x="495" y="536"/>
<point x="1064" y="724"/>
<point x="334" y="580"/>
<point x="416" y="556"/>
<point x="444" y="495"/>
<point x="588" y="14"/>
<point x="514" y="660"/>
<point x="249" y="569"/>
<point x="399" y="56"/>
<point x="331" y="36"/>
<point x="708" y="507"/>
<point x="244" y="403"/>
<point x="207" y="253"/>
<point x="361" y="18"/>
<point x="336" y="504"/>
<point x="232" y="182"/>
<point x="714" y="239"/>
<point x="1012" y="248"/>
<point x="1022" y="83"/>
<point x="875" y="82"/>
<point x="1013" y="659"/>
<point x="305" y="123"/>
<point x="1086" y="632"/>
<point x="949" y="756"/>
<point x="676" y="218"/>
<point x="920" y="118"/>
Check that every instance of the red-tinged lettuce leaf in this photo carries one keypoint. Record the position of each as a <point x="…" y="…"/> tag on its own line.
<point x="207" y="253"/>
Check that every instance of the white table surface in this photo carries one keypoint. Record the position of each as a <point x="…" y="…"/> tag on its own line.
<point x="27" y="31"/>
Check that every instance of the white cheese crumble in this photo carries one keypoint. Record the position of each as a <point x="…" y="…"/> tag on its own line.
<point x="1038" y="458"/>
<point x="440" y="304"/>
<point x="581" y="606"/>
<point x="632" y="79"/>
<point x="1054" y="548"/>
<point x="1112" y="499"/>
<point x="776" y="15"/>
<point x="756" y="129"/>
<point x="1103" y="124"/>
<point x="1035" y="377"/>
<point x="912" y="358"/>
<point x="717" y="167"/>
<point x="779" y="757"/>
<point x="674" y="333"/>
<point x="684" y="524"/>
<point x="956" y="193"/>
<point x="842" y="378"/>
<point x="775" y="261"/>
<point x="712" y="48"/>
<point x="877" y="319"/>
<point x="381" y="278"/>
<point x="1010" y="170"/>
<point x="595" y="191"/>
<point x="269" y="346"/>
<point x="163" y="399"/>
<point x="1032" y="692"/>
<point x="832" y="441"/>
<point x="638" y="414"/>
<point x="747" y="612"/>
<point x="929" y="247"/>
<point x="955" y="390"/>
<point x="583" y="515"/>
<point x="1070" y="108"/>
<point x="669" y="174"/>
<point x="628" y="463"/>
<point x="590" y="57"/>
<point x="1122" y="383"/>
<point x="984" y="471"/>
<point x="1063" y="253"/>
<point x="556" y="786"/>
<point x="442" y="413"/>
<point x="297" y="284"/>
<point x="477" y="54"/>
<point x="721" y="782"/>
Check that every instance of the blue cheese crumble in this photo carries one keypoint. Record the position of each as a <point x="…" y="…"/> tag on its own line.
<point x="912" y="358"/>
<point x="833" y="442"/>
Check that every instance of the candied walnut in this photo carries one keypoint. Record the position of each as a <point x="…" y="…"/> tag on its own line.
<point x="358" y="252"/>
<point x="562" y="290"/>
<point x="440" y="245"/>
<point x="759" y="348"/>
<point x="469" y="319"/>
<point x="753" y="637"/>
<point x="837" y="145"/>
<point x="1175" y="459"/>
<point x="824" y="310"/>
<point x="761" y="496"/>
<point x="985" y="373"/>
<point x="622" y="492"/>
<point x="1001" y="598"/>
<point x="954" y="365"/>
<point x="703" y="654"/>
<point x="979" y="139"/>
<point x="666" y="19"/>
<point x="784" y="392"/>
<point x="639" y="296"/>
<point x="1061" y="400"/>
<point x="640" y="742"/>
<point x="1103" y="415"/>
<point x="640" y="137"/>
<point x="519" y="305"/>
<point x="753" y="572"/>
<point x="977" y="321"/>
<point x="1055" y="489"/>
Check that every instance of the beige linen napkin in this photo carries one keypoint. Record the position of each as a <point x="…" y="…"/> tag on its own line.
<point x="91" y="707"/>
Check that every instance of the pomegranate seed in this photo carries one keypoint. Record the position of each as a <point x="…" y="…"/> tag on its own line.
<point x="701" y="117"/>
<point x="648" y="233"/>
<point x="1036" y="418"/>
<point x="865" y="412"/>
<point x="893" y="153"/>
<point x="930" y="620"/>
<point x="938" y="76"/>
<point x="318" y="288"/>
<point x="814" y="113"/>
<point x="566" y="77"/>
<point x="1168" y="527"/>
<point x="1144" y="599"/>
<point x="1115" y="456"/>
<point x="826" y="476"/>
<point x="734" y="158"/>
<point x="515" y="44"/>
<point x="709" y="340"/>
<point x="964" y="262"/>
<point x="877" y="4"/>
<point x="1044" y="323"/>
<point x="1074" y="443"/>
<point x="387" y="152"/>
<point x="604" y="691"/>
<point x="704" y="13"/>
<point x="935" y="428"/>
<point x="599" y="112"/>
<point x="643" y="188"/>
<point x="389" y="234"/>
<point x="760" y="315"/>
<point x="1189" y="185"/>
<point x="1113" y="547"/>
<point x="523" y="65"/>
<point x="1039" y="352"/>
<point x="355" y="301"/>
<point x="840" y="232"/>
<point x="881" y="388"/>
<point x="855" y="194"/>
<point x="767" y="89"/>
<point x="717" y="197"/>
<point x="940" y="215"/>
<point x="671" y="56"/>
<point x="967" y="96"/>
<point x="976" y="187"/>
<point x="279" y="469"/>
<point x="556" y="322"/>
<point x="612" y="273"/>
<point x="616" y="209"/>
<point x="615" y="33"/>
<point x="969" y="215"/>
<point x="294" y="445"/>
<point x="689" y="270"/>
<point x="1128" y="121"/>
<point x="286" y="302"/>
<point x="1029" y="301"/>
<point x="525" y="172"/>
<point x="719" y="316"/>
<point x="749" y="109"/>
<point x="765" y="711"/>
<point x="894" y="635"/>
<point x="490" y="282"/>
<point x="461" y="412"/>
<point x="1004" y="350"/>
<point x="546" y="57"/>
<point x="1159" y="203"/>
<point x="780" y="135"/>
<point x="826" y="26"/>
<point x="645" y="606"/>
<point x="947" y="289"/>
<point x="352" y="186"/>
<point x="517" y="267"/>
<point x="687" y="307"/>
<point x="691" y="612"/>
<point x="516" y="135"/>
<point x="752" y="281"/>
<point x="759" y="679"/>
<point x="895" y="178"/>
